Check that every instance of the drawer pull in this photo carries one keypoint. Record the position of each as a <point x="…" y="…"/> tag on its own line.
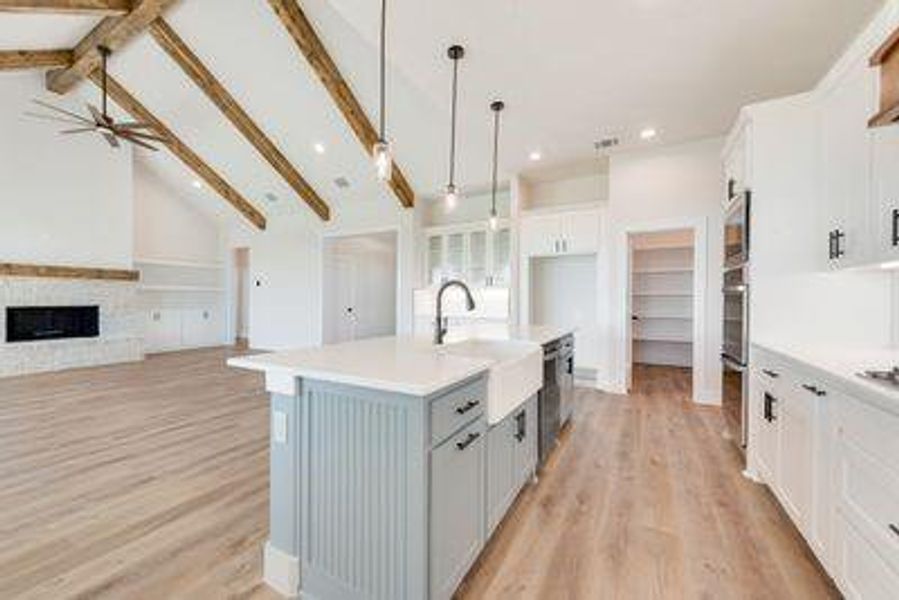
<point x="771" y="374"/>
<point x="894" y="528"/>
<point x="461" y="410"/>
<point x="467" y="441"/>
<point x="814" y="389"/>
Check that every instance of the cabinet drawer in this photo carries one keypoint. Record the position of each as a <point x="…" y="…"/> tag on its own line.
<point x="863" y="573"/>
<point x="456" y="408"/>
<point x="874" y="431"/>
<point x="869" y="500"/>
<point x="772" y="375"/>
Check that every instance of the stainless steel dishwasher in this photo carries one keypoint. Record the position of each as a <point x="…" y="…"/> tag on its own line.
<point x="549" y="399"/>
<point x="566" y="379"/>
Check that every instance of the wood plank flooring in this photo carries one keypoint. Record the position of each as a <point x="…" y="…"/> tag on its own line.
<point x="645" y="499"/>
<point x="150" y="480"/>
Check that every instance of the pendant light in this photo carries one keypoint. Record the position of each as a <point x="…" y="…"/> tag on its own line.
<point x="381" y="150"/>
<point x="496" y="107"/>
<point x="451" y="196"/>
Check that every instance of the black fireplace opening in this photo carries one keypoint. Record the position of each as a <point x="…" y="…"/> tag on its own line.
<point x="32" y="323"/>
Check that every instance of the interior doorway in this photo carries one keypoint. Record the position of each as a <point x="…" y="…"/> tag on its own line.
<point x="359" y="287"/>
<point x="241" y="300"/>
<point x="662" y="305"/>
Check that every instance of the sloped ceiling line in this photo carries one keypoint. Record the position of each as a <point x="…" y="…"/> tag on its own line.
<point x="139" y="112"/>
<point x="184" y="57"/>
<point x="313" y="49"/>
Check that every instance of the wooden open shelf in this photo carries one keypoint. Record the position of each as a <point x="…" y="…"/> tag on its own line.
<point x="887" y="58"/>
<point x="60" y="272"/>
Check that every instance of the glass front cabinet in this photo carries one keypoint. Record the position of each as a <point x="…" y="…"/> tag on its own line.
<point x="474" y="253"/>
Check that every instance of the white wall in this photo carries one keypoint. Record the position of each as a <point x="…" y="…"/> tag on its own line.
<point x="64" y="200"/>
<point x="471" y="208"/>
<point x="657" y="189"/>
<point x="585" y="188"/>
<point x="167" y="226"/>
<point x="285" y="307"/>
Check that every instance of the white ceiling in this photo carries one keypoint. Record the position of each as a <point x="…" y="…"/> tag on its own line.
<point x="570" y="71"/>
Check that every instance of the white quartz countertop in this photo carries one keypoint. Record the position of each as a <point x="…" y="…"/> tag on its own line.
<point x="537" y="334"/>
<point x="403" y="365"/>
<point x="843" y="365"/>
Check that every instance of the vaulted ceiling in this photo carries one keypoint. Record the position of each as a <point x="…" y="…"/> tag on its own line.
<point x="571" y="71"/>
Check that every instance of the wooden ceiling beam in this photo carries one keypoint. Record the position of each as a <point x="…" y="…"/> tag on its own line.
<point x="77" y="7"/>
<point x="112" y="32"/>
<point x="139" y="112"/>
<point x="178" y="50"/>
<point x="311" y="46"/>
<point x="34" y="59"/>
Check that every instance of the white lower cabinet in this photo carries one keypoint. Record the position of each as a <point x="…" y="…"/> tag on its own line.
<point x="180" y="328"/>
<point x="511" y="460"/>
<point x="457" y="488"/>
<point x="833" y="463"/>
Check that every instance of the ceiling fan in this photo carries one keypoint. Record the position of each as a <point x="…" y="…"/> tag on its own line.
<point x="99" y="121"/>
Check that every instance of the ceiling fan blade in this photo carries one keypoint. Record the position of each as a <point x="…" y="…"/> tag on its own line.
<point x="137" y="142"/>
<point x="112" y="140"/>
<point x="78" y="130"/>
<point x="143" y="136"/>
<point x="61" y="110"/>
<point x="53" y="118"/>
<point x="98" y="116"/>
<point x="134" y="125"/>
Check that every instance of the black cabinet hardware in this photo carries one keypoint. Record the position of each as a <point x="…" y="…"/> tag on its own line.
<point x="770" y="401"/>
<point x="770" y="373"/>
<point x="520" y="426"/>
<point x="894" y="528"/>
<point x="813" y="389"/>
<point x="838" y="251"/>
<point x="467" y="406"/>
<point x="468" y="441"/>
<point x="896" y="227"/>
<point x="830" y="245"/>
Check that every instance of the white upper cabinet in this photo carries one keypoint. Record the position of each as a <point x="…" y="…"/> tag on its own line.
<point x="859" y="174"/>
<point x="471" y="252"/>
<point x="846" y="169"/>
<point x="560" y="233"/>
<point x="885" y="205"/>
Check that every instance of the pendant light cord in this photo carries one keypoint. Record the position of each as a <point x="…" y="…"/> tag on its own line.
<point x="452" y="167"/>
<point x="383" y="75"/>
<point x="103" y="53"/>
<point x="495" y="158"/>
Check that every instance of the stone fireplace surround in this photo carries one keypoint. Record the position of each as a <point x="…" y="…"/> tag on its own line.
<point x="120" y="340"/>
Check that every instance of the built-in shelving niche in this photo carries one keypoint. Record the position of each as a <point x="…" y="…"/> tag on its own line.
<point x="662" y="305"/>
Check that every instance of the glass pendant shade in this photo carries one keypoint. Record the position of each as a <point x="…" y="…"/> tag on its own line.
<point x="383" y="161"/>
<point x="451" y="198"/>
<point x="494" y="220"/>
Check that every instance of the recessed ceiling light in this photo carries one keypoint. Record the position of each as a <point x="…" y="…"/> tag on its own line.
<point x="535" y="155"/>
<point x="197" y="184"/>
<point x="648" y="133"/>
<point x="319" y="147"/>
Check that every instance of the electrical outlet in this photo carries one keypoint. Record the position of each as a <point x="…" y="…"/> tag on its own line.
<point x="279" y="427"/>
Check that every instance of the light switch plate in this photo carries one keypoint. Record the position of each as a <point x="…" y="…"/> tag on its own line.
<point x="279" y="427"/>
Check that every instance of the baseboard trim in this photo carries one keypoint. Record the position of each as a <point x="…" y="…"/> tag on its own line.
<point x="708" y="397"/>
<point x="281" y="571"/>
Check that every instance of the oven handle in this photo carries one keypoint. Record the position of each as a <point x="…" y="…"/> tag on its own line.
<point x="735" y="289"/>
<point x="733" y="364"/>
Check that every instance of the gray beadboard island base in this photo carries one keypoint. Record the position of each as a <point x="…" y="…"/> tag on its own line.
<point x="378" y="495"/>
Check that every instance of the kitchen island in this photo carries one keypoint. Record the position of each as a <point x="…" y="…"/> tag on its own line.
<point x="392" y="461"/>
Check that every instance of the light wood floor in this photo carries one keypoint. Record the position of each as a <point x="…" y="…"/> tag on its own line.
<point x="150" y="481"/>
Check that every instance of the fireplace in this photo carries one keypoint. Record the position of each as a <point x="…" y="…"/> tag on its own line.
<point x="33" y="323"/>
